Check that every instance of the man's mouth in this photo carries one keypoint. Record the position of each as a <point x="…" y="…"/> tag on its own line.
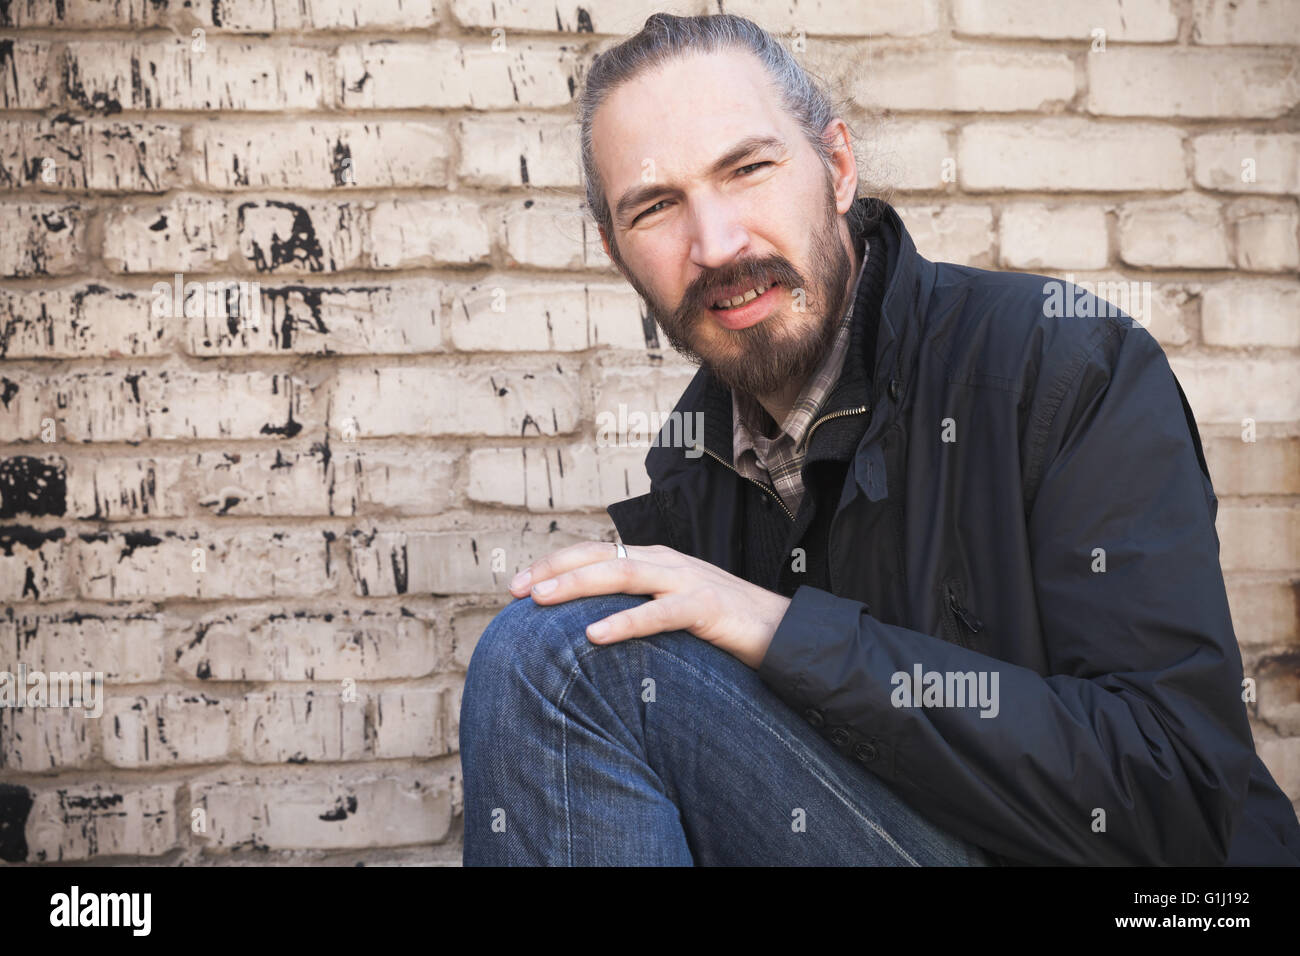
<point x="734" y="302"/>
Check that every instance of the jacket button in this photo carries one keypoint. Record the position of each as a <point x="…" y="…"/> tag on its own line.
<point x="814" y="716"/>
<point x="840" y="737"/>
<point x="894" y="389"/>
<point x="865" y="752"/>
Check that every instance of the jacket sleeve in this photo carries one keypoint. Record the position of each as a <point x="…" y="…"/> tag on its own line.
<point x="1134" y="747"/>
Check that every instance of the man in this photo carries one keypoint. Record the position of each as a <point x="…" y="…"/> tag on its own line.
<point x="943" y="587"/>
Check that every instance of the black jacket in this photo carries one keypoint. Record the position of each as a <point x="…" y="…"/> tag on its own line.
<point x="992" y="448"/>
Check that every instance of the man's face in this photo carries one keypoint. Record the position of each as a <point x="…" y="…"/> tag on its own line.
<point x="694" y="232"/>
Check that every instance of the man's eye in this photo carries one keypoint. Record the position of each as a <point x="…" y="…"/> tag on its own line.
<point x="754" y="166"/>
<point x="646" y="212"/>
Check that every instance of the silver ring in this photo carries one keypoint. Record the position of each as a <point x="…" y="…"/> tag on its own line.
<point x="622" y="551"/>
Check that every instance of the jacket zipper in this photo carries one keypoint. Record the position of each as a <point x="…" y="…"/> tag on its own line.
<point x="807" y="437"/>
<point x="959" y="613"/>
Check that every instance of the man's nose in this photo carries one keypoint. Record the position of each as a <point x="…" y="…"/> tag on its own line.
<point x="718" y="236"/>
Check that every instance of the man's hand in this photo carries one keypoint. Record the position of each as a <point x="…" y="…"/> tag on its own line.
<point x="689" y="595"/>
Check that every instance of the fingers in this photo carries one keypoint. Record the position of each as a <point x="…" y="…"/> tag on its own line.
<point x="680" y="611"/>
<point x="574" y="556"/>
<point x="614" y="576"/>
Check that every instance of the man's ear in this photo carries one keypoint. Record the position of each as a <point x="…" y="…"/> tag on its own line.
<point x="604" y="241"/>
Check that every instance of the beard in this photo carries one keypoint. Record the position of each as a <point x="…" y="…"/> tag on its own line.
<point x="765" y="357"/>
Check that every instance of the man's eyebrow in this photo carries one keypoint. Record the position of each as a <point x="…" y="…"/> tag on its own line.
<point x="636" y="195"/>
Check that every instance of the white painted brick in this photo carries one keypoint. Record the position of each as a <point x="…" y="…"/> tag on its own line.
<point x="1267" y="22"/>
<point x="1069" y="154"/>
<point x="1265" y="466"/>
<point x="910" y="155"/>
<point x="965" y="80"/>
<point x="33" y="565"/>
<point x="341" y="809"/>
<point x="413" y="481"/>
<point x="551" y="234"/>
<point x="248" y="644"/>
<point x="557" y="478"/>
<point x="1266" y="235"/>
<point x="1191" y="83"/>
<point x="1282" y="758"/>
<point x="648" y="391"/>
<point x="1263" y="612"/>
<point x="127" y="405"/>
<point x="1036" y="236"/>
<point x="171" y="75"/>
<point x="298" y="726"/>
<point x="54" y="13"/>
<point x="1258" y="537"/>
<point x="81" y="321"/>
<point x="165" y="730"/>
<point x="450" y="74"/>
<point x="512" y="400"/>
<point x="1228" y="390"/>
<point x="1260" y="163"/>
<point x="951" y="233"/>
<point x="1248" y="312"/>
<point x="266" y="16"/>
<point x="28" y="77"/>
<point x="126" y="649"/>
<point x="1151" y="22"/>
<point x="830" y="17"/>
<point x="186" y="234"/>
<point x="1183" y="232"/>
<point x="89" y="154"/>
<point x="513" y="151"/>
<point x="118" y="489"/>
<point x="386" y="563"/>
<point x="415" y="722"/>
<point x="467" y="626"/>
<point x="618" y="17"/>
<point x="41" y="239"/>
<point x="409" y="234"/>
<point x="299" y="154"/>
<point x="112" y="566"/>
<point x="502" y="313"/>
<point x="41" y="739"/>
<point x="83" y="821"/>
<point x="278" y="235"/>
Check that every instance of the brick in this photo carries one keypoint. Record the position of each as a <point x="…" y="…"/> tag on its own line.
<point x="1278" y="694"/>
<point x="170" y="75"/>
<point x="33" y="564"/>
<point x="1184" y="232"/>
<point x="1228" y="390"/>
<point x="1153" y="22"/>
<point x="415" y="722"/>
<point x="648" y="391"/>
<point x="412" y="481"/>
<point x="555" y="478"/>
<point x="385" y="563"/>
<point x="1241" y="22"/>
<point x="280" y="482"/>
<point x="85" y="821"/>
<point x="502" y="313"/>
<point x="41" y="739"/>
<point x="1265" y="466"/>
<point x="185" y="234"/>
<point x="1068" y="154"/>
<point x="453" y="74"/>
<point x="338" y="809"/>
<point x="1035" y="236"/>
<point x="1266" y="235"/>
<point x="402" y="317"/>
<point x="549" y="234"/>
<point x="1281" y="755"/>
<point x="82" y="321"/>
<point x="247" y="644"/>
<point x="41" y="239"/>
<point x="951" y="233"/>
<point x="266" y="16"/>
<point x="1191" y="83"/>
<point x="298" y="154"/>
<point x="115" y="566"/>
<point x="964" y="80"/>
<point x="299" y="237"/>
<point x="411" y="234"/>
<point x="127" y="649"/>
<point x="122" y="488"/>
<point x="27" y="74"/>
<point x="1264" y="613"/>
<point x="467" y="626"/>
<point x="1248" y="162"/>
<point x="166" y="730"/>
<point x="911" y="155"/>
<point x="300" y="726"/>
<point x="1249" y="312"/>
<point x="836" y="17"/>
<point x="76" y="154"/>
<point x="59" y="13"/>
<point x="512" y="400"/>
<point x="128" y="405"/>
<point x="1258" y="537"/>
<point x="514" y="151"/>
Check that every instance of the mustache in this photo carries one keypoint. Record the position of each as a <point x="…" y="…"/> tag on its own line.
<point x="706" y="289"/>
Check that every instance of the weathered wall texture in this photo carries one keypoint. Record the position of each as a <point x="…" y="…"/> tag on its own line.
<point x="274" y="534"/>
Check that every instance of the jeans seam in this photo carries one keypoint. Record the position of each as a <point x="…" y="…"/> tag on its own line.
<point x="741" y="704"/>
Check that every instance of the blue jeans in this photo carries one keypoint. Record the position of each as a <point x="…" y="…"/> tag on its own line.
<point x="661" y="750"/>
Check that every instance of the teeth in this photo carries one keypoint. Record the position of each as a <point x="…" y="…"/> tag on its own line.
<point x="742" y="299"/>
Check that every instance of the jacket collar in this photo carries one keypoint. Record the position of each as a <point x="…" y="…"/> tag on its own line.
<point x="878" y="382"/>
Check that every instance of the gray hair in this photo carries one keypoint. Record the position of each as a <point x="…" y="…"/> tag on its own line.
<point x="665" y="37"/>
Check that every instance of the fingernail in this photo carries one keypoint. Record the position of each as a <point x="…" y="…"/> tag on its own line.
<point x="521" y="580"/>
<point x="545" y="587"/>
<point x="598" y="629"/>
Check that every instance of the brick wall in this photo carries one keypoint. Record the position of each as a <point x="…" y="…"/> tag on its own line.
<point x="277" y="534"/>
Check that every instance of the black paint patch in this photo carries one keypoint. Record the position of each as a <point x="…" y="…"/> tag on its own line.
<point x="341" y="809"/>
<point x="301" y="245"/>
<point x="15" y="807"/>
<point x="31" y="486"/>
<point x="27" y="536"/>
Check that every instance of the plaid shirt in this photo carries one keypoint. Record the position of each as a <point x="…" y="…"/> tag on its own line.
<point x="778" y="462"/>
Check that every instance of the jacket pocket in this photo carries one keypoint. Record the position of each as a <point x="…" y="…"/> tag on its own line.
<point x="959" y="623"/>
